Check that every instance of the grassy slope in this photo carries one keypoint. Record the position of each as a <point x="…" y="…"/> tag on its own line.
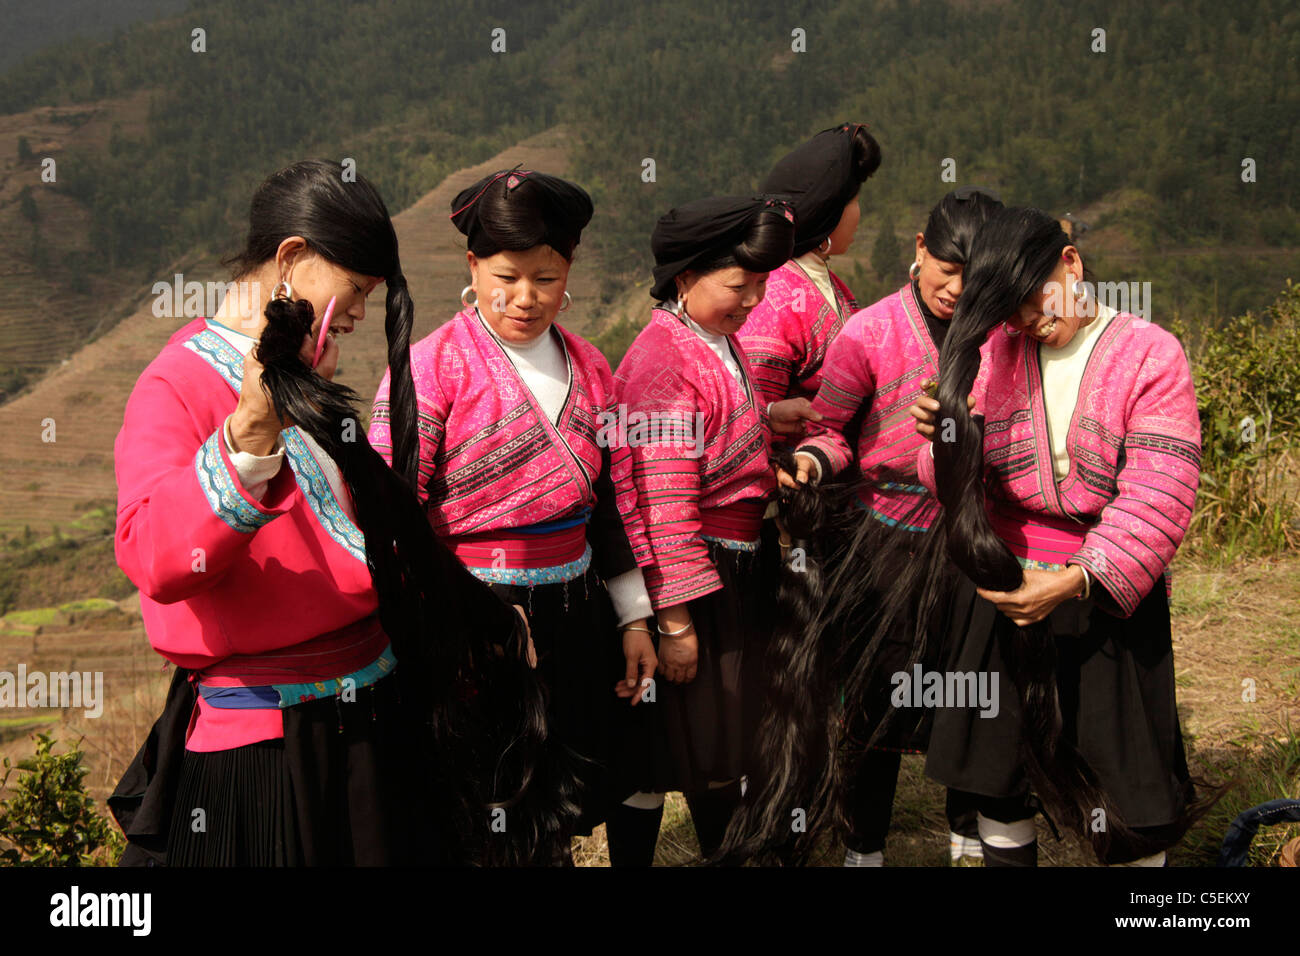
<point x="1229" y="625"/>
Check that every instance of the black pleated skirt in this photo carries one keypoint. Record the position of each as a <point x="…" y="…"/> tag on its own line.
<point x="580" y="659"/>
<point x="702" y="732"/>
<point x="332" y="792"/>
<point x="1115" y="679"/>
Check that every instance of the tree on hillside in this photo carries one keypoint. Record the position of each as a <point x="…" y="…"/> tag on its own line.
<point x="886" y="251"/>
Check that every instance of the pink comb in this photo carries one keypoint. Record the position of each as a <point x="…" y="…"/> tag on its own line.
<point x="324" y="331"/>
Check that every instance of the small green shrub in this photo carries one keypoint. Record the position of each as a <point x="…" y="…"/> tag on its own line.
<point x="48" y="819"/>
<point x="1248" y="390"/>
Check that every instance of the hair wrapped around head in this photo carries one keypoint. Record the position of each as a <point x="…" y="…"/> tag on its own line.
<point x="951" y="226"/>
<point x="753" y="232"/>
<point x="517" y="209"/>
<point x="821" y="176"/>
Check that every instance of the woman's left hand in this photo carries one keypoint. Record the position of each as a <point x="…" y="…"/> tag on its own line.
<point x="1038" y="595"/>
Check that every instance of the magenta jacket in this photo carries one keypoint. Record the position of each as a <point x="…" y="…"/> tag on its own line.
<point x="1135" y="453"/>
<point x="490" y="458"/>
<point x="226" y="579"/>
<point x="787" y="334"/>
<point x="875" y="367"/>
<point x="693" y="485"/>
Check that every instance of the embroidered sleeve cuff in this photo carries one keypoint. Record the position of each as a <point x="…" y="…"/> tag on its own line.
<point x="629" y="596"/>
<point x="227" y="497"/>
<point x="680" y="588"/>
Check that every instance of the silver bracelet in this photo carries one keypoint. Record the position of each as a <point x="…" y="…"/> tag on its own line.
<point x="677" y="633"/>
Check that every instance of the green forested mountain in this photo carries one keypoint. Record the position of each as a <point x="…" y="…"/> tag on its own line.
<point x="1150" y="135"/>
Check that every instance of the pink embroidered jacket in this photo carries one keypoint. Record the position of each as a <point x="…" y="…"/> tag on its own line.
<point x="1135" y="450"/>
<point x="490" y="459"/>
<point x="787" y="334"/>
<point x="701" y="457"/>
<point x="223" y="576"/>
<point x="872" y="375"/>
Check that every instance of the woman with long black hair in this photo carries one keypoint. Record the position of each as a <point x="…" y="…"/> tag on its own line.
<point x="1064" y="501"/>
<point x="516" y="471"/>
<point x="699" y="437"/>
<point x="321" y="645"/>
<point x="876" y="367"/>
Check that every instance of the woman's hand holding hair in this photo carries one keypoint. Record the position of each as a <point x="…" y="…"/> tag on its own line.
<point x="806" y="468"/>
<point x="1039" y="594"/>
<point x="254" y="426"/>
<point x="926" y="412"/>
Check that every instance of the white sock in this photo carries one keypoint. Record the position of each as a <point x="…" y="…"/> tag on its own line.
<point x="854" y="858"/>
<point x="1155" y="859"/>
<point x="960" y="846"/>
<point x="1007" y="836"/>
<point x="644" y="801"/>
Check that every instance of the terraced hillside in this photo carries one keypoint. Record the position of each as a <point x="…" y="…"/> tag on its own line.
<point x="52" y="483"/>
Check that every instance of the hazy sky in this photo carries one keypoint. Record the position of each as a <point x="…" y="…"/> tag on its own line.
<point x="31" y="25"/>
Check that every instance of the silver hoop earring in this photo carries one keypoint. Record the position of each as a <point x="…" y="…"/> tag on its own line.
<point x="827" y="243"/>
<point x="1078" y="289"/>
<point x="1010" y="332"/>
<point x="286" y="294"/>
<point x="914" y="270"/>
<point x="568" y="301"/>
<point x="464" y="297"/>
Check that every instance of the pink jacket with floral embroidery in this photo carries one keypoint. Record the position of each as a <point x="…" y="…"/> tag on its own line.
<point x="1134" y="442"/>
<point x="872" y="375"/>
<point x="490" y="458"/>
<point x="671" y="376"/>
<point x="787" y="334"/>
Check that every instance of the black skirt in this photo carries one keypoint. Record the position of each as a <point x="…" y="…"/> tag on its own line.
<point x="580" y="659"/>
<point x="1115" y="679"/>
<point x="694" y="734"/>
<point x="332" y="792"/>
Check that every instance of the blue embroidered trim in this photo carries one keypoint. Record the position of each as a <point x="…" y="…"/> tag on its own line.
<point x="885" y="519"/>
<point x="220" y="354"/>
<point x="527" y="577"/>
<point x="316" y="489"/>
<point x="275" y="696"/>
<point x="229" y="364"/>
<point x="897" y="486"/>
<point x="1029" y="564"/>
<point x="732" y="544"/>
<point x="221" y="491"/>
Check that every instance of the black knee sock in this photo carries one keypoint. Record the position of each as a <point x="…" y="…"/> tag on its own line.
<point x="961" y="809"/>
<point x="1026" y="855"/>
<point x="711" y="811"/>
<point x="632" y="835"/>
<point x="869" y="800"/>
